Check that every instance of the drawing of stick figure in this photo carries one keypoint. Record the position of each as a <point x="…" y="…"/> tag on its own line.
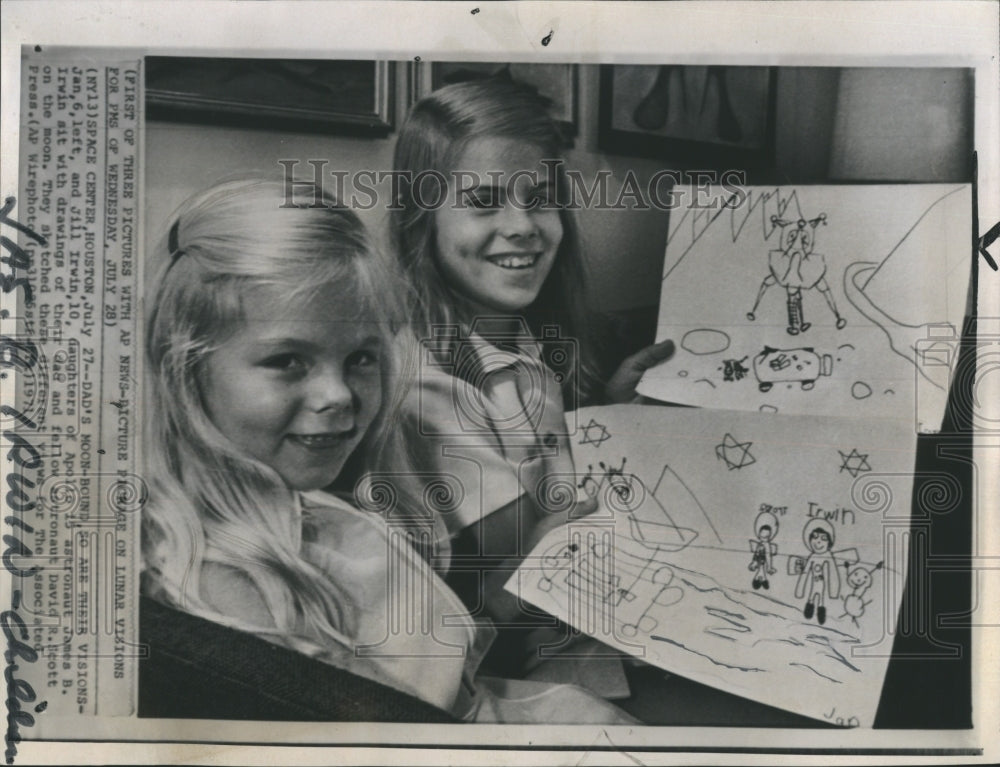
<point x="819" y="573"/>
<point x="860" y="580"/>
<point x="765" y="527"/>
<point x="796" y="267"/>
<point x="588" y="484"/>
<point x="617" y="479"/>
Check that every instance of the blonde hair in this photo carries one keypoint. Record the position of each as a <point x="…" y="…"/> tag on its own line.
<point x="210" y="502"/>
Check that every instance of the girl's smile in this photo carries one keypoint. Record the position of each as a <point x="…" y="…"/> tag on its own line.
<point x="497" y="241"/>
<point x="321" y="441"/>
<point x="297" y="386"/>
<point x="515" y="260"/>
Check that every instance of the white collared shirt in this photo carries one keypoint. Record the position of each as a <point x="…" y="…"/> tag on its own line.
<point x="492" y="425"/>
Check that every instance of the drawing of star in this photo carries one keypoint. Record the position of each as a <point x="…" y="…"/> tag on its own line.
<point x="594" y="433"/>
<point x="736" y="454"/>
<point x="854" y="462"/>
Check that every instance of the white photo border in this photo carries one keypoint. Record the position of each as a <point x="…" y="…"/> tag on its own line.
<point x="905" y="33"/>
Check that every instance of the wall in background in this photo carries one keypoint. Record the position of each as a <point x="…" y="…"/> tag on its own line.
<point x="831" y="124"/>
<point x="912" y="124"/>
<point x="183" y="158"/>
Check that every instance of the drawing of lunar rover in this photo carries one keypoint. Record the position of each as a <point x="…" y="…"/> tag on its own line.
<point x="803" y="366"/>
<point x="603" y="585"/>
<point x="623" y="580"/>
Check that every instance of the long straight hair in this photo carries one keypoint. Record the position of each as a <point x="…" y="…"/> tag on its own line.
<point x="210" y="502"/>
<point x="437" y="131"/>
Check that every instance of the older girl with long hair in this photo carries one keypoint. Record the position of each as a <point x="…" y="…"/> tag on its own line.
<point x="483" y="229"/>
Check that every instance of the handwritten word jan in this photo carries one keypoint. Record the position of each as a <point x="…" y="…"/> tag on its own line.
<point x="842" y="721"/>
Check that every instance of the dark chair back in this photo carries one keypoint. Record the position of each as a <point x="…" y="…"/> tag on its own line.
<point x="197" y="669"/>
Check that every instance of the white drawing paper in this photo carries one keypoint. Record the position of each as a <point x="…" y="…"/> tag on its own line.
<point x="842" y="300"/>
<point x="675" y="566"/>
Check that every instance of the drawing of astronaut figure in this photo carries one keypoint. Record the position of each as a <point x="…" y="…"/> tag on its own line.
<point x="819" y="573"/>
<point x="796" y="267"/>
<point x="860" y="580"/>
<point x="765" y="527"/>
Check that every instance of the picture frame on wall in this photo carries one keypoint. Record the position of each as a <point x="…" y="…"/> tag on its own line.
<point x="353" y="97"/>
<point x="712" y="117"/>
<point x="557" y="82"/>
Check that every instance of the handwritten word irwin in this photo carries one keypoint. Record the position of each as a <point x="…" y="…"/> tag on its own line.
<point x="837" y="514"/>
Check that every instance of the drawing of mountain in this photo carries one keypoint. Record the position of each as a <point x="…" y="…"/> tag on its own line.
<point x="897" y="286"/>
<point x="680" y="506"/>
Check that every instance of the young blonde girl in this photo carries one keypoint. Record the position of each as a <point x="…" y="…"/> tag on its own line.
<point x="495" y="258"/>
<point x="274" y="385"/>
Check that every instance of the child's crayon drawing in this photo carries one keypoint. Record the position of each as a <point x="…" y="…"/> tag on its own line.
<point x="804" y="618"/>
<point x="813" y="300"/>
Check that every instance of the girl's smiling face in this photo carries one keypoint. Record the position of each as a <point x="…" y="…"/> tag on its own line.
<point x="297" y="386"/>
<point x="493" y="250"/>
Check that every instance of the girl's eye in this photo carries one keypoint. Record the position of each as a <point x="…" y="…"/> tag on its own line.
<point x="487" y="199"/>
<point x="283" y="362"/>
<point x="544" y="197"/>
<point x="361" y="359"/>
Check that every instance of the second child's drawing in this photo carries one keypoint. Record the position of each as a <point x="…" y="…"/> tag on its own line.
<point x="843" y="301"/>
<point x="802" y="619"/>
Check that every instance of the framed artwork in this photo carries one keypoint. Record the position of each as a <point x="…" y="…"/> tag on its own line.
<point x="557" y="82"/>
<point x="706" y="116"/>
<point x="348" y="96"/>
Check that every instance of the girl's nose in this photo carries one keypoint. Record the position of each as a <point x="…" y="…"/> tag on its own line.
<point x="329" y="392"/>
<point x="518" y="222"/>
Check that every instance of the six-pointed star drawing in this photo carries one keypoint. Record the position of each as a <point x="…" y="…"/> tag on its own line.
<point x="854" y="462"/>
<point x="594" y="433"/>
<point x="736" y="454"/>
